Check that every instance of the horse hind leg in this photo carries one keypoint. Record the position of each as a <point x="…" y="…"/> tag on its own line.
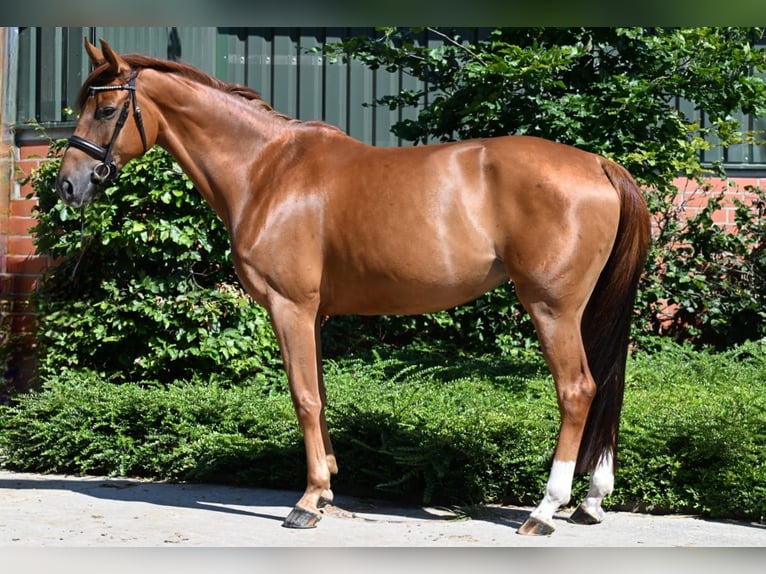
<point x="601" y="485"/>
<point x="558" y="328"/>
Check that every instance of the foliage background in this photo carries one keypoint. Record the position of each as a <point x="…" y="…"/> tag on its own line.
<point x="145" y="287"/>
<point x="153" y="362"/>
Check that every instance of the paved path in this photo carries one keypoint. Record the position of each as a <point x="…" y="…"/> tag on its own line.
<point x="66" y="511"/>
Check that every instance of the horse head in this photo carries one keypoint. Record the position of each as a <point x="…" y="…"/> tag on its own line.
<point x="104" y="140"/>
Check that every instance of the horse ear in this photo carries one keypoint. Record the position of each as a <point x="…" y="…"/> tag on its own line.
<point x="116" y="64"/>
<point x="96" y="56"/>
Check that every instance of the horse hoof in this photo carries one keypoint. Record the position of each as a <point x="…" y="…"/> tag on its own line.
<point x="301" y="518"/>
<point x="536" y="527"/>
<point x="582" y="516"/>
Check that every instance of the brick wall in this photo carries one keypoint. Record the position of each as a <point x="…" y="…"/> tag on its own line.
<point x="693" y="198"/>
<point x="21" y="267"/>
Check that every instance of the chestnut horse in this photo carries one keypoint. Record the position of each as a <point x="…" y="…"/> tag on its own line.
<point x="322" y="224"/>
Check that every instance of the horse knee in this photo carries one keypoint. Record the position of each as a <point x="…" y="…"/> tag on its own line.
<point x="308" y="406"/>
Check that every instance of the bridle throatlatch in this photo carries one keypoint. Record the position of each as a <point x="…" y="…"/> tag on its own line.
<point x="107" y="169"/>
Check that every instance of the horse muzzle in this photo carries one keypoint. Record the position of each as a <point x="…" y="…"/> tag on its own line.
<point x="79" y="189"/>
<point x="78" y="186"/>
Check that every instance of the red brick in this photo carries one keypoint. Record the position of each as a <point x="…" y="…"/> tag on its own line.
<point x="38" y="151"/>
<point x="23" y="207"/>
<point x="23" y="284"/>
<point x="21" y="306"/>
<point x="696" y="199"/>
<point x="23" y="170"/>
<point x="743" y="182"/>
<point x="20" y="225"/>
<point x="26" y="166"/>
<point x="23" y="323"/>
<point x="26" y="265"/>
<point x="692" y="212"/>
<point x="721" y="217"/>
<point x="748" y="198"/>
<point x="26" y="189"/>
<point x="719" y="185"/>
<point x="683" y="183"/>
<point x="21" y="245"/>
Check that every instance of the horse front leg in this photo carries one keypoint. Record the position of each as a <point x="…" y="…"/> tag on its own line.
<point x="295" y="328"/>
<point x="327" y="495"/>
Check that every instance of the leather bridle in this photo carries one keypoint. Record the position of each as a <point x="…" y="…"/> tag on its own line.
<point x="107" y="169"/>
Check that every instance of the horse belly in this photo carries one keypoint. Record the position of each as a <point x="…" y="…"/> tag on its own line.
<point x="414" y="234"/>
<point x="407" y="286"/>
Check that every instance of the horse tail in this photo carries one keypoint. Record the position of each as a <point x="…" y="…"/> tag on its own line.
<point x="606" y="322"/>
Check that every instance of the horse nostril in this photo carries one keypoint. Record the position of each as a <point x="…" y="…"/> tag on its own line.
<point x="66" y="188"/>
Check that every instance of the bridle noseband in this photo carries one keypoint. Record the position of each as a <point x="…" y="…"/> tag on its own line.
<point x="107" y="169"/>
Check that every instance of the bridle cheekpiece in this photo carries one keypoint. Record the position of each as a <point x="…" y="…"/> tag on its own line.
<point x="107" y="169"/>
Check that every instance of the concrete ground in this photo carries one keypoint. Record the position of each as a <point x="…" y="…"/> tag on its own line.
<point x="67" y="511"/>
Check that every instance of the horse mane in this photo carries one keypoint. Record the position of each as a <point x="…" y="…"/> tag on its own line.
<point x="138" y="61"/>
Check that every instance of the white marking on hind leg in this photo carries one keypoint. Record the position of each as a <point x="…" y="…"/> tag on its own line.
<point x="557" y="491"/>
<point x="601" y="485"/>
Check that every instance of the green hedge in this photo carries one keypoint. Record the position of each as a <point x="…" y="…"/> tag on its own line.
<point x="144" y="286"/>
<point x="694" y="432"/>
<point x="440" y="432"/>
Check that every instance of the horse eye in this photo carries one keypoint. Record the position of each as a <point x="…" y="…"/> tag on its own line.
<point x="106" y="112"/>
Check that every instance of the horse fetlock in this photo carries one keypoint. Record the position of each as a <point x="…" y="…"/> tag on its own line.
<point x="559" y="487"/>
<point x="325" y="499"/>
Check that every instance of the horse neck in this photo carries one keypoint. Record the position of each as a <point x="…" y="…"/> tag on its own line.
<point x="215" y="137"/>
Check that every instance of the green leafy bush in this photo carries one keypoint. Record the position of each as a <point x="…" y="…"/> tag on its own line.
<point x="443" y="431"/>
<point x="80" y="423"/>
<point x="713" y="280"/>
<point x="495" y="322"/>
<point x="145" y="287"/>
<point x="693" y="434"/>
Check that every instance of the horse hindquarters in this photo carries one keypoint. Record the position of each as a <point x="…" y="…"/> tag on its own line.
<point x="584" y="337"/>
<point x="606" y="333"/>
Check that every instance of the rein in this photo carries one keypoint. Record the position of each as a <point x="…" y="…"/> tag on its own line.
<point x="107" y="169"/>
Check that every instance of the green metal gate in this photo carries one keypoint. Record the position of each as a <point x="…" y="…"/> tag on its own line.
<point x="277" y="62"/>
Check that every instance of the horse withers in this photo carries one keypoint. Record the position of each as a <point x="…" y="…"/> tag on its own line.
<point x="322" y="224"/>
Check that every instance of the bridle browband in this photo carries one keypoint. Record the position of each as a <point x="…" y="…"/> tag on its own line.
<point x="107" y="169"/>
